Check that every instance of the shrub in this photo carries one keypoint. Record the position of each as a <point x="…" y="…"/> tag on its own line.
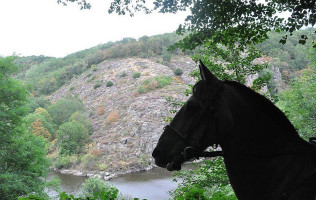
<point x="93" y="186"/>
<point x="102" y="166"/>
<point x="166" y="56"/>
<point x="91" y="79"/>
<point x="154" y="83"/>
<point x="136" y="75"/>
<point x="144" y="55"/>
<point x="95" y="152"/>
<point x="178" y="79"/>
<point x="158" y="61"/>
<point x="123" y="74"/>
<point x="72" y="88"/>
<point x="109" y="83"/>
<point x="62" y="162"/>
<point x="88" y="161"/>
<point x="92" y="66"/>
<point x="178" y="72"/>
<point x="112" y="117"/>
<point x="97" y="84"/>
<point x="208" y="181"/>
<point x="101" y="110"/>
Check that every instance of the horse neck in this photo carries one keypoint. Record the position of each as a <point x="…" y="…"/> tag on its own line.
<point x="255" y="169"/>
<point x="251" y="149"/>
<point x="258" y="127"/>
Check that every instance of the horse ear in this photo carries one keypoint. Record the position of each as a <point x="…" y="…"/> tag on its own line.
<point x="206" y="74"/>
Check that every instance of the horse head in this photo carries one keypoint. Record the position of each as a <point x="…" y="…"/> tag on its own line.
<point x="186" y="136"/>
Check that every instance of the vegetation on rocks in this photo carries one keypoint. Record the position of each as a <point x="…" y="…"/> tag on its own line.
<point x="136" y="75"/>
<point x="97" y="84"/>
<point x="177" y="72"/>
<point x="45" y="75"/>
<point x="109" y="83"/>
<point x="154" y="83"/>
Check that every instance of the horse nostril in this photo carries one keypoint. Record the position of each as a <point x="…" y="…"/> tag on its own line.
<point x="155" y="153"/>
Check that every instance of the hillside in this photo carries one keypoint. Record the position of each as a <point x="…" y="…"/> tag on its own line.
<point x="116" y="95"/>
<point x="126" y="121"/>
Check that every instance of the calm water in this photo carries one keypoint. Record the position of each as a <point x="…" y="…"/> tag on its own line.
<point x="151" y="185"/>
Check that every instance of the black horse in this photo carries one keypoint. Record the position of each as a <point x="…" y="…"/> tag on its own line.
<point x="264" y="156"/>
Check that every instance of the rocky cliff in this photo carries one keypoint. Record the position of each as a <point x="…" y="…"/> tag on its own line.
<point x="127" y="123"/>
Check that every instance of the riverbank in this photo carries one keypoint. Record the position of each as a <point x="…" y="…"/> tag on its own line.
<point x="99" y="174"/>
<point x="151" y="184"/>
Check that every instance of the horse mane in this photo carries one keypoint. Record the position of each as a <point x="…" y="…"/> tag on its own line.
<point x="263" y="105"/>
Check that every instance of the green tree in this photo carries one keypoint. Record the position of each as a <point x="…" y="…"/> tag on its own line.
<point x="64" y="108"/>
<point x="71" y="138"/>
<point x="299" y="103"/>
<point x="80" y="118"/>
<point x="208" y="181"/>
<point x="36" y="102"/>
<point x="22" y="160"/>
<point x="44" y="117"/>
<point x="93" y="186"/>
<point x="47" y="85"/>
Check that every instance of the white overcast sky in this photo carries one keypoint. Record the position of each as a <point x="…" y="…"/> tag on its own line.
<point x="43" y="27"/>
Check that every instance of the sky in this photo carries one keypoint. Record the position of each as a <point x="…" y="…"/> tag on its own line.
<point x="43" y="27"/>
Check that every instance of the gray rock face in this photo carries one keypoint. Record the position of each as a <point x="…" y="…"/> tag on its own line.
<point x="277" y="78"/>
<point x="127" y="125"/>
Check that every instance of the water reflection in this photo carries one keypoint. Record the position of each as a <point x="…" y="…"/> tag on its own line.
<point x="69" y="183"/>
<point x="154" y="184"/>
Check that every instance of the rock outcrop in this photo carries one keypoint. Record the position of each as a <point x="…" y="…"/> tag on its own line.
<point x="127" y="124"/>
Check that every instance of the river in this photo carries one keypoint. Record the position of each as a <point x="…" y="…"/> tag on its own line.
<point x="154" y="184"/>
